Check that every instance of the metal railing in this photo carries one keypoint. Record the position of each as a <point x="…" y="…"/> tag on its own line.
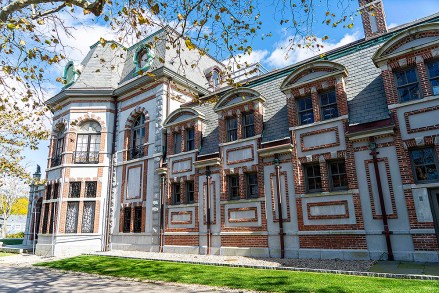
<point x="56" y="160"/>
<point x="85" y="157"/>
<point x="137" y="152"/>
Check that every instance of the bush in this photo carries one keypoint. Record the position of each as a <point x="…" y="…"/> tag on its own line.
<point x="16" y="235"/>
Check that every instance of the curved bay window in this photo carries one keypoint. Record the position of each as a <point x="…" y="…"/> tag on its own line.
<point x="138" y="138"/>
<point x="59" y="148"/>
<point x="88" y="143"/>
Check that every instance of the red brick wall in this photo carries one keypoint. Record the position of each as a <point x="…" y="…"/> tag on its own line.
<point x="244" y="241"/>
<point x="333" y="241"/>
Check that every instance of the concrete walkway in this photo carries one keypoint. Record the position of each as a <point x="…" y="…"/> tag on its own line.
<point x="31" y="279"/>
<point x="401" y="267"/>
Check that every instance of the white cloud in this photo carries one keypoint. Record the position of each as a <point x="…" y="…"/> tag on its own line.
<point x="255" y="56"/>
<point x="392" y="25"/>
<point x="281" y="57"/>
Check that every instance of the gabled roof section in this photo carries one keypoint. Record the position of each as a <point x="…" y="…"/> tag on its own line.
<point x="181" y="115"/>
<point x="237" y="96"/>
<point x="413" y="38"/>
<point x="311" y="72"/>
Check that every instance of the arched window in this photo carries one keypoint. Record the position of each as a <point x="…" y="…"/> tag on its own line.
<point x="88" y="143"/>
<point x="138" y="137"/>
<point x="59" y="147"/>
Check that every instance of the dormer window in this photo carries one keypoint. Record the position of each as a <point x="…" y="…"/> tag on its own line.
<point x="248" y="125"/>
<point x="232" y="128"/>
<point x="143" y="58"/>
<point x="306" y="115"/>
<point x="190" y="139"/>
<point x="328" y="103"/>
<point x="215" y="78"/>
<point x="433" y="74"/>
<point x="407" y="84"/>
<point x="70" y="74"/>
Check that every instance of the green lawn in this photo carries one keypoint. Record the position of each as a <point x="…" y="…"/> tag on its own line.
<point x="239" y="278"/>
<point x="11" y="241"/>
<point x="5" y="254"/>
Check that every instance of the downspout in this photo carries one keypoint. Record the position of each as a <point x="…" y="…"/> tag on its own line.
<point x="208" y="210"/>
<point x="162" y="212"/>
<point x="110" y="182"/>
<point x="386" y="232"/>
<point x="279" y="206"/>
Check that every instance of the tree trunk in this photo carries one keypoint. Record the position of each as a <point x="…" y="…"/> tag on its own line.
<point x="3" y="232"/>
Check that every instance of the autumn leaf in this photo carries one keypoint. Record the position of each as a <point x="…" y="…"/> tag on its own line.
<point x="155" y="9"/>
<point x="189" y="44"/>
<point x="102" y="41"/>
<point x="180" y="17"/>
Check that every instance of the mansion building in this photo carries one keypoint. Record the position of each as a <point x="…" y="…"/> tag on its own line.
<point x="334" y="157"/>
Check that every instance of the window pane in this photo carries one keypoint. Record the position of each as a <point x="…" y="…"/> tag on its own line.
<point x="137" y="219"/>
<point x="177" y="143"/>
<point x="88" y="217"/>
<point x="400" y="78"/>
<point x="75" y="189"/>
<point x="90" y="188"/>
<point x="127" y="220"/>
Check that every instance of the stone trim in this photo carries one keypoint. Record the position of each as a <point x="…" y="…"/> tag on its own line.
<point x="182" y="222"/>
<point x="238" y="149"/>
<point x="328" y="203"/>
<point x="179" y="161"/>
<point x="420" y="129"/>
<point x="320" y="131"/>
<point x="394" y="214"/>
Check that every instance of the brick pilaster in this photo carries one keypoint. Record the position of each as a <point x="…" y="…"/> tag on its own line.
<point x="315" y="105"/>
<point x="423" y="77"/>
<point x="389" y="86"/>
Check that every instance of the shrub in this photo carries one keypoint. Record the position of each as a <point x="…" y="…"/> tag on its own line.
<point x="16" y="235"/>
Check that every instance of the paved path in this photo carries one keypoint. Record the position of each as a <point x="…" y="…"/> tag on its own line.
<point x="32" y="279"/>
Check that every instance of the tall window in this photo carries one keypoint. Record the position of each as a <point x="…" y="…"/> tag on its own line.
<point x="338" y="176"/>
<point x="177" y="143"/>
<point x="252" y="185"/>
<point x="176" y="195"/>
<point x="433" y="73"/>
<point x="232" y="128"/>
<point x="127" y="220"/>
<point x="425" y="164"/>
<point x="138" y="138"/>
<point x="304" y="106"/>
<point x="137" y="220"/>
<point x="59" y="148"/>
<point x="72" y="217"/>
<point x="313" y="178"/>
<point x="233" y="183"/>
<point x="88" y="217"/>
<point x="190" y="191"/>
<point x="46" y="217"/>
<point x="49" y="192"/>
<point x="328" y="103"/>
<point x="248" y="124"/>
<point x="55" y="190"/>
<point x="88" y="143"/>
<point x="215" y="78"/>
<point x="407" y="85"/>
<point x="190" y="139"/>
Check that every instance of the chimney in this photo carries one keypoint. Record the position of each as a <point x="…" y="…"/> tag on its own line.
<point x="373" y="17"/>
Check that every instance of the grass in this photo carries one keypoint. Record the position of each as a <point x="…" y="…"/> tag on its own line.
<point x="11" y="241"/>
<point x="238" y="278"/>
<point x="5" y="254"/>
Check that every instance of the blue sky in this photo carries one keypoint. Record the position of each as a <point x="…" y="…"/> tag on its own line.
<point x="268" y="52"/>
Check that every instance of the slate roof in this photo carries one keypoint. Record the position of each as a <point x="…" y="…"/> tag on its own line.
<point x="364" y="89"/>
